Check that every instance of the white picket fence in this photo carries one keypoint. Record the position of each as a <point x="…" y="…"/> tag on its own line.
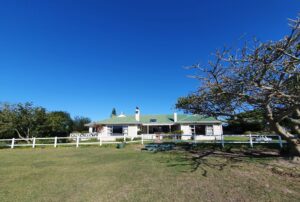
<point x="101" y="140"/>
<point x="57" y="141"/>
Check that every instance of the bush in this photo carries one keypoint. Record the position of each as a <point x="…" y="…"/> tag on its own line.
<point x="122" y="139"/>
<point x="128" y="139"/>
<point x="65" y="140"/>
<point x="178" y="132"/>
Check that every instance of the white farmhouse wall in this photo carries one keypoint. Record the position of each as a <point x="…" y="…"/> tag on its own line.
<point x="132" y="131"/>
<point x="103" y="132"/>
<point x="90" y="129"/>
<point x="218" y="129"/>
<point x="186" y="129"/>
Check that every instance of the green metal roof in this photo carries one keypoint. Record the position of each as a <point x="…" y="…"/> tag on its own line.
<point x="119" y="120"/>
<point x="159" y="119"/>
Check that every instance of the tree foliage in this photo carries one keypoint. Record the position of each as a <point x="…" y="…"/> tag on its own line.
<point x="259" y="76"/>
<point x="26" y="121"/>
<point x="21" y="120"/>
<point x="79" y="122"/>
<point x="250" y="121"/>
<point x="113" y="112"/>
<point x="59" y="123"/>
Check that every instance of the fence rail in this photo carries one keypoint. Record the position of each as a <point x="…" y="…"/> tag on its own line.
<point x="251" y="140"/>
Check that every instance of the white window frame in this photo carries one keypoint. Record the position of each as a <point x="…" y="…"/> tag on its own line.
<point x="125" y="130"/>
<point x="209" y="130"/>
<point x="193" y="129"/>
<point x="109" y="130"/>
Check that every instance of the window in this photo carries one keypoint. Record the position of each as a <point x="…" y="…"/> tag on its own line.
<point x="197" y="129"/>
<point x="209" y="130"/>
<point x="117" y="129"/>
<point x="153" y="120"/>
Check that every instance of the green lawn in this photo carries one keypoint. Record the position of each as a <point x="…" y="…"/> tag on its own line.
<point x="236" y="138"/>
<point x="243" y="139"/>
<point x="108" y="174"/>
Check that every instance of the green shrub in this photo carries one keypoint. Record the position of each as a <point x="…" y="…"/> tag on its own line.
<point x="122" y="139"/>
<point x="65" y="140"/>
<point x="179" y="132"/>
<point x="127" y="139"/>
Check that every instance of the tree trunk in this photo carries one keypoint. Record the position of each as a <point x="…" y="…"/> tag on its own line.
<point x="288" y="137"/>
<point x="297" y="129"/>
<point x="297" y="126"/>
<point x="21" y="137"/>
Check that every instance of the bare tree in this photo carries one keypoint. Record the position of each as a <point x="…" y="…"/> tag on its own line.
<point x="264" y="76"/>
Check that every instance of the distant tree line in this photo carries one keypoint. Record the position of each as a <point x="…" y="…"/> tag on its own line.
<point x="24" y="120"/>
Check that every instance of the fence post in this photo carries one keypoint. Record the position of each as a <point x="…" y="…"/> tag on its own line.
<point x="222" y="140"/>
<point x="251" y="143"/>
<point x="77" y="141"/>
<point x="124" y="137"/>
<point x="100" y="142"/>
<point x="280" y="141"/>
<point x="142" y="138"/>
<point x="33" y="143"/>
<point x="12" y="143"/>
<point x="55" y="142"/>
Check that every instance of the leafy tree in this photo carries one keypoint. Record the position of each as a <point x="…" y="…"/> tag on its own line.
<point x="79" y="122"/>
<point x="21" y="120"/>
<point x="259" y="76"/>
<point x="59" y="123"/>
<point x="113" y="112"/>
<point x="253" y="121"/>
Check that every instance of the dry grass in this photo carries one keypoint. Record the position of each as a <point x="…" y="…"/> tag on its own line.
<point x="108" y="174"/>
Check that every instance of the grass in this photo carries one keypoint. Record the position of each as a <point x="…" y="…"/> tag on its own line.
<point x="243" y="139"/>
<point x="236" y="138"/>
<point x="107" y="174"/>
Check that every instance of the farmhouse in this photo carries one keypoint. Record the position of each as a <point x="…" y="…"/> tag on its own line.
<point x="201" y="127"/>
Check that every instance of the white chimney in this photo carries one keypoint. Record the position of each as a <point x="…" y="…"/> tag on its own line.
<point x="137" y="114"/>
<point x="175" y="117"/>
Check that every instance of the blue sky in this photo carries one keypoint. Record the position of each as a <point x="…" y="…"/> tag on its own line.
<point x="86" y="57"/>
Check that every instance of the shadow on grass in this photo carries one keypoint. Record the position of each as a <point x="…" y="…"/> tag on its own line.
<point x="205" y="157"/>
